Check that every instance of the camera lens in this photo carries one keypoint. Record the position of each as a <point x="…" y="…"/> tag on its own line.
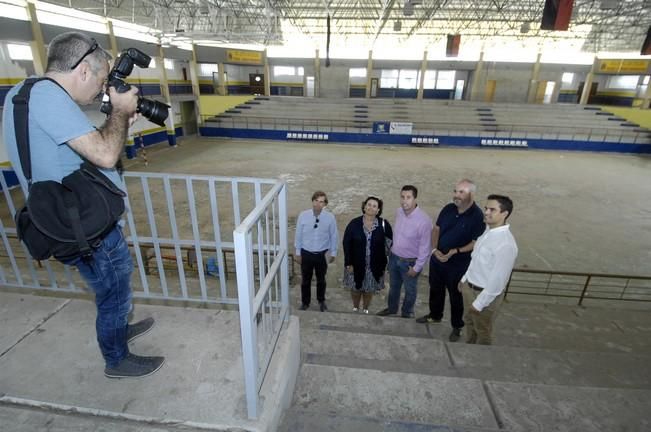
<point x="155" y="111"/>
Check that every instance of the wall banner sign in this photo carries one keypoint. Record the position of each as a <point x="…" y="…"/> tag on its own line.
<point x="247" y="57"/>
<point x="401" y="128"/>
<point x="623" y="66"/>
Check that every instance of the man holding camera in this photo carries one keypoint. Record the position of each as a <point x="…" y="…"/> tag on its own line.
<point x="60" y="135"/>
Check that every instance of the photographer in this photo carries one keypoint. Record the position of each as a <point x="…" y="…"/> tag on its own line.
<point x="60" y="135"/>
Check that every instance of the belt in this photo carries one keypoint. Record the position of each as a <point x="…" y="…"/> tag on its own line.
<point x="313" y="253"/>
<point x="475" y="287"/>
<point x="405" y="259"/>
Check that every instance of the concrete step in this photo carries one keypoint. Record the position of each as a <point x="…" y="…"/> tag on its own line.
<point x="298" y="420"/>
<point x="434" y="357"/>
<point x="467" y="404"/>
<point x="525" y="325"/>
<point x="527" y="407"/>
<point x="393" y="396"/>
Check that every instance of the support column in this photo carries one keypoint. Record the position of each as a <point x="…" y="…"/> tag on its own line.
<point x="113" y="41"/>
<point x="317" y="73"/>
<point x="165" y="91"/>
<point x="646" y="100"/>
<point x="267" y="75"/>
<point x="421" y="80"/>
<point x="557" y="91"/>
<point x="476" y="78"/>
<point x="222" y="89"/>
<point x="38" y="43"/>
<point x="369" y="72"/>
<point x="535" y="79"/>
<point x="196" y="90"/>
<point x="588" y="84"/>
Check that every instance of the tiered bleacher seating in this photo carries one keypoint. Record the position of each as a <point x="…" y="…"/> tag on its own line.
<point x="501" y="124"/>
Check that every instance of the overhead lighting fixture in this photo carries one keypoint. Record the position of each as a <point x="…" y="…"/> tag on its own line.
<point x="397" y="25"/>
<point x="525" y="27"/>
<point x="408" y="9"/>
<point x="609" y="4"/>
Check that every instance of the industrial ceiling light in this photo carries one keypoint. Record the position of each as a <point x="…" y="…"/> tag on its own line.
<point x="525" y="27"/>
<point x="397" y="25"/>
<point x="408" y="9"/>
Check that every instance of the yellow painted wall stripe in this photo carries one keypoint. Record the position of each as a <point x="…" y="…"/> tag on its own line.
<point x="214" y="105"/>
<point x="635" y="115"/>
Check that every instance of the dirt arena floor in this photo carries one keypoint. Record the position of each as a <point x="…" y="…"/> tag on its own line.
<point x="574" y="211"/>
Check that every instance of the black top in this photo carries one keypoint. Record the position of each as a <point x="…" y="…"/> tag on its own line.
<point x="457" y="230"/>
<point x="355" y="248"/>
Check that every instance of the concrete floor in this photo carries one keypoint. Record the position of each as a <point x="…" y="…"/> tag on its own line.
<point x="574" y="211"/>
<point x="560" y="200"/>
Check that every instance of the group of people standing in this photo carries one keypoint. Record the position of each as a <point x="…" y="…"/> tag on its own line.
<point x="471" y="255"/>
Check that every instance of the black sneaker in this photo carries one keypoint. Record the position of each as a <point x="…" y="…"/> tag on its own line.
<point x="407" y="315"/>
<point x="140" y="328"/>
<point x="427" y="319"/>
<point x="323" y="306"/>
<point x="385" y="312"/>
<point x="133" y="366"/>
<point x="455" y="335"/>
<point x="304" y="307"/>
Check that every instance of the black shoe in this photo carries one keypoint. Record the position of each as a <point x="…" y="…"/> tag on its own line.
<point x="323" y="306"/>
<point x="140" y="328"/>
<point x="133" y="366"/>
<point x="407" y="315"/>
<point x="385" y="312"/>
<point x="455" y="335"/>
<point x="304" y="307"/>
<point x="427" y="319"/>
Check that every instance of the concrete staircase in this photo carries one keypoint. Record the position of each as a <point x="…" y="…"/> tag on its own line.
<point x="553" y="368"/>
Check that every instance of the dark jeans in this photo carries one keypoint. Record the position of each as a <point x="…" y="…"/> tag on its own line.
<point x="398" y="269"/>
<point x="313" y="262"/>
<point x="108" y="275"/>
<point x="440" y="279"/>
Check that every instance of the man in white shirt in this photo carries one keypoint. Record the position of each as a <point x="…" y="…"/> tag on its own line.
<point x="316" y="246"/>
<point x="493" y="258"/>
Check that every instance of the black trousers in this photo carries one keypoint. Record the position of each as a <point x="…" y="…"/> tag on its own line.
<point x="440" y="280"/>
<point x="313" y="262"/>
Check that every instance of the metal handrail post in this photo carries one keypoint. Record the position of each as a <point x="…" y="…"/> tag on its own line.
<point x="585" y="288"/>
<point x="506" y="290"/>
<point x="245" y="292"/>
<point x="283" y="238"/>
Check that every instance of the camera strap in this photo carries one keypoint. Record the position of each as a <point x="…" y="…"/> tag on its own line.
<point x="21" y="124"/>
<point x="21" y="127"/>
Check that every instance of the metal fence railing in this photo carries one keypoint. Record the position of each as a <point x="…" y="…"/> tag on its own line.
<point x="581" y="286"/>
<point x="263" y="286"/>
<point x="574" y="132"/>
<point x="182" y="230"/>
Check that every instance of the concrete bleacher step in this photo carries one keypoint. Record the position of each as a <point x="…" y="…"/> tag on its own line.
<point x="463" y="403"/>
<point x="298" y="419"/>
<point x="519" y="325"/>
<point x="406" y="397"/>
<point x="434" y="357"/>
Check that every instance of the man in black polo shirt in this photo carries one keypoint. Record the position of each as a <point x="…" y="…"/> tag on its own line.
<point x="459" y="224"/>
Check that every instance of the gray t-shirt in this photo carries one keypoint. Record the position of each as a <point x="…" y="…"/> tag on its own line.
<point x="54" y="118"/>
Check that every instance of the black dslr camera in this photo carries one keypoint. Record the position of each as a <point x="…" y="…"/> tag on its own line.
<point x="153" y="110"/>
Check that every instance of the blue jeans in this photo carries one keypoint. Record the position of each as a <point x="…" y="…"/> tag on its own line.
<point x="108" y="274"/>
<point x="398" y="269"/>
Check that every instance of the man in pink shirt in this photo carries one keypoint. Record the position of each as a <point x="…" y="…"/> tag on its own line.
<point x="410" y="251"/>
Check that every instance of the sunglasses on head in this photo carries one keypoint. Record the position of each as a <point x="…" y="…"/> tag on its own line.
<point x="92" y="49"/>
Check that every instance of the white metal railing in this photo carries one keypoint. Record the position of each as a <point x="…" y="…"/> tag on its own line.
<point x="263" y="286"/>
<point x="578" y="132"/>
<point x="176" y="225"/>
<point x="180" y="229"/>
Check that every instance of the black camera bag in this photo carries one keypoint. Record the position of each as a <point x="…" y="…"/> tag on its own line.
<point x="63" y="220"/>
